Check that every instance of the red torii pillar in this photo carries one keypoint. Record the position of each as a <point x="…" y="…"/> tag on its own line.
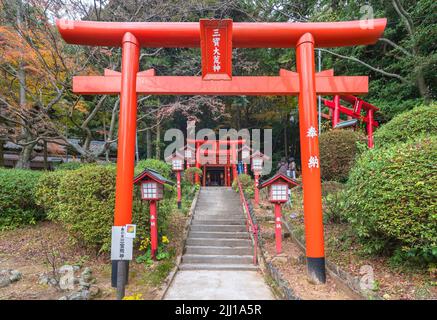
<point x="305" y="83"/>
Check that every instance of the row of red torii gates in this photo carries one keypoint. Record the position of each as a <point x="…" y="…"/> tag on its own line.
<point x="217" y="38"/>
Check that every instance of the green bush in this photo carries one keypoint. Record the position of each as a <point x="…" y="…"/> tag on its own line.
<point x="390" y="200"/>
<point x="162" y="167"/>
<point x="408" y="125"/>
<point x="17" y="194"/>
<point x="86" y="206"/>
<point x="69" y="165"/>
<point x="333" y="201"/>
<point x="338" y="150"/>
<point x="247" y="184"/>
<point x="46" y="194"/>
<point x="86" y="202"/>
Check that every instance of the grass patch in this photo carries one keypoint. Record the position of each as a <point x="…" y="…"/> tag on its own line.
<point x="156" y="274"/>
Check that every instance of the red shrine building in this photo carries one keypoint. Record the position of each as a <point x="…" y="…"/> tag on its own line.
<point x="217" y="159"/>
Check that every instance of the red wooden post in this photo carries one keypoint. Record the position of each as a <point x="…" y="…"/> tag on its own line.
<point x="310" y="159"/>
<point x="336" y="115"/>
<point x="278" y="228"/>
<point x="196" y="175"/>
<point x="228" y="172"/>
<point x="153" y="229"/>
<point x="126" y="131"/>
<point x="370" y="128"/>
<point x="256" y="195"/>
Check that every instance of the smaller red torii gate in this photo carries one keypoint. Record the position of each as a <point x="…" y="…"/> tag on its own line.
<point x="355" y="113"/>
<point x="229" y="154"/>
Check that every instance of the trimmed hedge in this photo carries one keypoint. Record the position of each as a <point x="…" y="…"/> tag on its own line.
<point x="17" y="194"/>
<point x="86" y="206"/>
<point x="46" y="195"/>
<point x="338" y="150"/>
<point x="162" y="167"/>
<point x="390" y="200"/>
<point x="421" y="121"/>
<point x="72" y="165"/>
<point x="85" y="202"/>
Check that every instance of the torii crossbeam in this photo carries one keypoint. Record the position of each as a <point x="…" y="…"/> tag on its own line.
<point x="286" y="84"/>
<point x="305" y="83"/>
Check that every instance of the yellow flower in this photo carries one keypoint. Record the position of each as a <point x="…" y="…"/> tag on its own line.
<point x="165" y="239"/>
<point x="144" y="244"/>
<point x="136" y="296"/>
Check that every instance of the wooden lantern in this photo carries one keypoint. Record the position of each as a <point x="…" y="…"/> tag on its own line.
<point x="278" y="193"/>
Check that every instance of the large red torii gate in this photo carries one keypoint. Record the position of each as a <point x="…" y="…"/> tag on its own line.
<point x="305" y="83"/>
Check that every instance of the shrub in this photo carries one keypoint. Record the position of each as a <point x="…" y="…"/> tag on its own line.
<point x="247" y="184"/>
<point x="46" y="194"/>
<point x="408" y="125"/>
<point x="86" y="205"/>
<point x="72" y="165"/>
<point x="338" y="150"/>
<point x="17" y="194"/>
<point x="190" y="174"/>
<point x="390" y="200"/>
<point x="333" y="201"/>
<point x="162" y="167"/>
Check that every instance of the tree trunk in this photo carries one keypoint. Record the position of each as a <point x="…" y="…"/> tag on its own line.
<point x="25" y="155"/>
<point x="148" y="144"/>
<point x="157" y="141"/>
<point x="421" y="84"/>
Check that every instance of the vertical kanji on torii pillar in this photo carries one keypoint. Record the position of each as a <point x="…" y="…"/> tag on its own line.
<point x="309" y="148"/>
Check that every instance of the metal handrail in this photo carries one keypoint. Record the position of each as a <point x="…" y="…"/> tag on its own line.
<point x="250" y="225"/>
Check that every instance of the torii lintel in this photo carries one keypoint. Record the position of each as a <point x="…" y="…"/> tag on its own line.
<point x="287" y="83"/>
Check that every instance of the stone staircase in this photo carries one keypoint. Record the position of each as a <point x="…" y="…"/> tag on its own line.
<point x="217" y="239"/>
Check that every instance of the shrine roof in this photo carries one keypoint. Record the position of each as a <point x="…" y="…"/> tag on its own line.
<point x="154" y="175"/>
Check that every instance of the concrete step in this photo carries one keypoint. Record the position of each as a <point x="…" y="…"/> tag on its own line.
<point x="218" y="228"/>
<point x="222" y="267"/>
<point x="230" y="213"/>
<point x="227" y="222"/>
<point x="209" y="250"/>
<point x="204" y="217"/>
<point x="217" y="208"/>
<point x="218" y="242"/>
<point x="217" y="259"/>
<point x="219" y="235"/>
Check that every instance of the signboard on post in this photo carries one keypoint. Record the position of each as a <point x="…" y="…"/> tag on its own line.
<point x="216" y="48"/>
<point x="122" y="243"/>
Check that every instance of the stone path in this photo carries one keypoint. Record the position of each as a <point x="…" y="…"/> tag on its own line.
<point x="218" y="257"/>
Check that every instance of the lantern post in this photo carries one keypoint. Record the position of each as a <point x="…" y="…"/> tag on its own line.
<point x="245" y="156"/>
<point x="257" y="167"/>
<point x="152" y="190"/>
<point x="278" y="194"/>
<point x="189" y="155"/>
<point x="177" y="163"/>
